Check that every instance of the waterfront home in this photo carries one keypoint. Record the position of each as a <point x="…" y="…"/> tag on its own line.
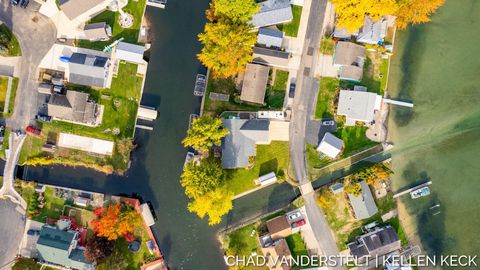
<point x="59" y="246"/>
<point x="75" y="107"/>
<point x="89" y="70"/>
<point x="278" y="250"/>
<point x="363" y="205"/>
<point x="279" y="227"/>
<point x="254" y="83"/>
<point x="83" y="10"/>
<point x="240" y="143"/>
<point x="373" y="32"/>
<point x="358" y="106"/>
<point x="272" y="12"/>
<point x="270" y="38"/>
<point x="128" y="52"/>
<point x="271" y="57"/>
<point x="87" y="144"/>
<point x="349" y="59"/>
<point x="377" y="243"/>
<point x="100" y="31"/>
<point x="330" y="145"/>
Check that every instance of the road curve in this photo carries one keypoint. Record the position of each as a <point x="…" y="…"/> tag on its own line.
<point x="36" y="35"/>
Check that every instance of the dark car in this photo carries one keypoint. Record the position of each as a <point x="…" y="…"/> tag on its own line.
<point x="299" y="223"/>
<point x="291" y="92"/>
<point x="33" y="232"/>
<point x="24" y="3"/>
<point x="15" y="2"/>
<point x="43" y="118"/>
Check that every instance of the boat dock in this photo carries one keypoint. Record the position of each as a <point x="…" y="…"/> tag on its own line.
<point x="412" y="189"/>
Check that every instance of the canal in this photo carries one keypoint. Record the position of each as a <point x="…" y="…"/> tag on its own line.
<point x="436" y="65"/>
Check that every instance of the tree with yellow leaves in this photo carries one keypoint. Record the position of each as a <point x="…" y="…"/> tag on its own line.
<point x="205" y="132"/>
<point x="213" y="204"/>
<point x="416" y="11"/>
<point x="351" y="13"/>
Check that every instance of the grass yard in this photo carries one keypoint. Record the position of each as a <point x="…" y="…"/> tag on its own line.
<point x="296" y="245"/>
<point x="53" y="207"/>
<point x="26" y="264"/>
<point x="291" y="28"/>
<point x="241" y="243"/>
<point x="119" y="116"/>
<point x="270" y="158"/>
<point x="9" y="45"/>
<point x="313" y="157"/>
<point x="130" y="35"/>
<point x="3" y="95"/>
<point x="275" y="94"/>
<point x="124" y="258"/>
<point x="225" y="86"/>
<point x="326" y="98"/>
<point x="327" y="45"/>
<point x="3" y="90"/>
<point x="354" y="139"/>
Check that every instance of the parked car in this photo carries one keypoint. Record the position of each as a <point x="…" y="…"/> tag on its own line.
<point x="33" y="130"/>
<point x="15" y="2"/>
<point x="328" y="123"/>
<point x="24" y="3"/>
<point x="291" y="92"/>
<point x="294" y="216"/>
<point x="33" y="232"/>
<point x="299" y="223"/>
<point x="43" y="118"/>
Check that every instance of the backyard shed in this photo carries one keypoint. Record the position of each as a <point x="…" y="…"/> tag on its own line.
<point x="330" y="145"/>
<point x="147" y="214"/>
<point x="267" y="179"/>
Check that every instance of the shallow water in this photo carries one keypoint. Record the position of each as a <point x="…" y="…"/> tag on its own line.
<point x="437" y="66"/>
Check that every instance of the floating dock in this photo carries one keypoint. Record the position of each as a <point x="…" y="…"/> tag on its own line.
<point x="411" y="189"/>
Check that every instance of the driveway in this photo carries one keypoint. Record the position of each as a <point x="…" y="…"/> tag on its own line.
<point x="36" y="35"/>
<point x="12" y="224"/>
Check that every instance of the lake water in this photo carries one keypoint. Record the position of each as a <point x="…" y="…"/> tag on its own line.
<point x="437" y="66"/>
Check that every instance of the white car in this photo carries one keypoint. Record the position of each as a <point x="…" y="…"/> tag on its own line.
<point x="294" y="216"/>
<point x="328" y="123"/>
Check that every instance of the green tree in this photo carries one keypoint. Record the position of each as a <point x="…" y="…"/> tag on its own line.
<point x="236" y="11"/>
<point x="227" y="48"/>
<point x="213" y="204"/>
<point x="198" y="180"/>
<point x="205" y="132"/>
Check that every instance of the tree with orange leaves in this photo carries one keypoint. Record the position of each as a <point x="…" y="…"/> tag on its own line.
<point x="416" y="11"/>
<point x="115" y="221"/>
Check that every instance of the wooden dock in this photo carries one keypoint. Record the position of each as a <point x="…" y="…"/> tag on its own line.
<point x="411" y="189"/>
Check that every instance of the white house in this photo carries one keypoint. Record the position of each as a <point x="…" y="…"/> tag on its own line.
<point x="330" y="145"/>
<point x="130" y="52"/>
<point x="358" y="106"/>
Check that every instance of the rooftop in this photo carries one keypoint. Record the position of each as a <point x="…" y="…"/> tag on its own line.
<point x="373" y="32"/>
<point x="97" y="31"/>
<point x="272" y="12"/>
<point x="130" y="52"/>
<point x="270" y="37"/>
<point x="363" y="205"/>
<point x="271" y="57"/>
<point x="74" y="106"/>
<point x="90" y="70"/>
<point x="278" y="224"/>
<point x="330" y="145"/>
<point x="254" y="83"/>
<point x="358" y="105"/>
<point x="348" y="53"/>
<point x="379" y="242"/>
<point x="75" y="8"/>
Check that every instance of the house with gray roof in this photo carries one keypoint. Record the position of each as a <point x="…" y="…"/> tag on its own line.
<point x="377" y="243"/>
<point x="254" y="83"/>
<point x="270" y="38"/>
<point x="78" y="8"/>
<point x="131" y="53"/>
<point x="241" y="141"/>
<point x="74" y="107"/>
<point x="60" y="247"/>
<point x="97" y="31"/>
<point x="272" y="12"/>
<point x="349" y="58"/>
<point x="271" y="57"/>
<point x="363" y="205"/>
<point x="358" y="106"/>
<point x="373" y="32"/>
<point x="89" y="70"/>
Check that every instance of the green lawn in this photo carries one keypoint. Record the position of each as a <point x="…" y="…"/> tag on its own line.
<point x="9" y="41"/>
<point x="275" y="94"/>
<point x="130" y="35"/>
<point x="225" y="86"/>
<point x="326" y="97"/>
<point x="53" y="207"/>
<point x="240" y="243"/>
<point x="120" y="109"/>
<point x="354" y="139"/>
<point x="270" y="158"/>
<point x="26" y="264"/>
<point x="327" y="45"/>
<point x="296" y="245"/>
<point x="124" y="258"/>
<point x="3" y="94"/>
<point x="291" y="28"/>
<point x="313" y="157"/>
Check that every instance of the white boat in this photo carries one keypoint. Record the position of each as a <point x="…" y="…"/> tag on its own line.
<point x="420" y="192"/>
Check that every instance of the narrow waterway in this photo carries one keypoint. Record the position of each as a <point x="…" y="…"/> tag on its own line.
<point x="437" y="66"/>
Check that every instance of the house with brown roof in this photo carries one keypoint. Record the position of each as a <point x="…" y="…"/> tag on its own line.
<point x="254" y="83"/>
<point x="275" y="253"/>
<point x="279" y="227"/>
<point x="75" y="107"/>
<point x="349" y="58"/>
<point x="100" y="31"/>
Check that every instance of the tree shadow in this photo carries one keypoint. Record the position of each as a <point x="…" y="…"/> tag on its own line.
<point x="269" y="166"/>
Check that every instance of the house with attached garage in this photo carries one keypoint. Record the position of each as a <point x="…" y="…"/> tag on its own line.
<point x="358" y="106"/>
<point x="272" y="12"/>
<point x="349" y="59"/>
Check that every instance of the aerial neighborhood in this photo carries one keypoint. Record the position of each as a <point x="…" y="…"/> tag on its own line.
<point x="111" y="161"/>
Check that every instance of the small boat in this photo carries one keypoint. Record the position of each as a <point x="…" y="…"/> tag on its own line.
<point x="188" y="158"/>
<point x="420" y="192"/>
<point x="200" y="85"/>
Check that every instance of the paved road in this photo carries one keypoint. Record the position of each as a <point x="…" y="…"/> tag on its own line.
<point x="307" y="88"/>
<point x="12" y="224"/>
<point x="36" y="35"/>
